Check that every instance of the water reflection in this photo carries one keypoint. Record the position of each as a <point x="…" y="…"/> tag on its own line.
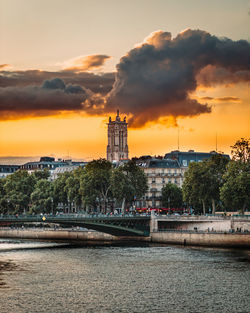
<point x="123" y="279"/>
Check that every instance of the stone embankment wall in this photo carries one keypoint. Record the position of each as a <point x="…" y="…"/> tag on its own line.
<point x="239" y="240"/>
<point x="201" y="223"/>
<point x="47" y="234"/>
<point x="203" y="239"/>
<point x="66" y="235"/>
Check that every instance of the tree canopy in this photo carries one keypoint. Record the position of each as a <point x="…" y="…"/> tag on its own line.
<point x="203" y="180"/>
<point x="172" y="196"/>
<point x="235" y="192"/>
<point x="241" y="150"/>
<point x="128" y="183"/>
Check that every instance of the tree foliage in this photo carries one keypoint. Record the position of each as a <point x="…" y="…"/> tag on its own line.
<point x="96" y="183"/>
<point x="235" y="192"/>
<point x="59" y="189"/>
<point x="72" y="187"/>
<point x="241" y="150"/>
<point x="171" y="196"/>
<point x="42" y="197"/>
<point x="194" y="185"/>
<point x="203" y="180"/>
<point x="18" y="188"/>
<point x="128" y="183"/>
<point x="215" y="168"/>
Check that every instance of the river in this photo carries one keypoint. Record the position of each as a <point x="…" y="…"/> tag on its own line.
<point x="59" y="278"/>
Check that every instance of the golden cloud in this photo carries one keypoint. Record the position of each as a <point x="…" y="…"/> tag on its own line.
<point x="85" y="63"/>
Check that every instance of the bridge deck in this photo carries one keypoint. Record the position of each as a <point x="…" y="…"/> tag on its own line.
<point x="115" y="225"/>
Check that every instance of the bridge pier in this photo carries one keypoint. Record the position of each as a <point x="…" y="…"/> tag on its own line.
<point x="153" y="223"/>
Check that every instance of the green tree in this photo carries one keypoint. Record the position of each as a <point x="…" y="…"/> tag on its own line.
<point x="42" y="197"/>
<point x="3" y="200"/>
<point x="122" y="189"/>
<point x="203" y="181"/>
<point x="72" y="187"/>
<point x="235" y="192"/>
<point x="241" y="150"/>
<point x="171" y="196"/>
<point x="96" y="183"/>
<point x="129" y="183"/>
<point x="194" y="185"/>
<point x="215" y="168"/>
<point x="18" y="187"/>
<point x="59" y="189"/>
<point x="44" y="174"/>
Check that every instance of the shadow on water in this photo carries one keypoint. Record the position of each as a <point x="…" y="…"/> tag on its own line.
<point x="235" y="254"/>
<point x="7" y="266"/>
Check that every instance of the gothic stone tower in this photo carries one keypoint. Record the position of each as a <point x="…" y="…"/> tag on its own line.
<point x="117" y="148"/>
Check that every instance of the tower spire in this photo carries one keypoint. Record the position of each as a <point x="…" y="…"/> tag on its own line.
<point x="118" y="112"/>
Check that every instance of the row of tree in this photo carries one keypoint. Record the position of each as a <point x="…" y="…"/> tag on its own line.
<point x="216" y="183"/>
<point x="96" y="187"/>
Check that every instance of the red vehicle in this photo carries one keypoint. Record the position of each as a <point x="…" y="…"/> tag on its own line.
<point x="161" y="210"/>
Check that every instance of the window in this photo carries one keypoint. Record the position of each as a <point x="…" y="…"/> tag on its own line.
<point x="184" y="162"/>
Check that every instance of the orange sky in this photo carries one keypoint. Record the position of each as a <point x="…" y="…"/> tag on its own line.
<point x="57" y="35"/>
<point x="85" y="137"/>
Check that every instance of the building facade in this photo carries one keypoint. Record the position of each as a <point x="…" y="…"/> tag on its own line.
<point x="186" y="157"/>
<point x="6" y="170"/>
<point x="170" y="169"/>
<point x="117" y="148"/>
<point x="159" y="172"/>
<point x="51" y="164"/>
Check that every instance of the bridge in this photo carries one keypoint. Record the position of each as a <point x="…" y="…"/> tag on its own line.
<point x="130" y="225"/>
<point x="113" y="225"/>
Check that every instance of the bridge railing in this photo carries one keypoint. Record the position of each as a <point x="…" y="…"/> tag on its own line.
<point x="230" y="231"/>
<point x="68" y="216"/>
<point x="202" y="217"/>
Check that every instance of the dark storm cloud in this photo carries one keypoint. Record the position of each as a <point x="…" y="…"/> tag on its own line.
<point x="156" y="79"/>
<point x="101" y="83"/>
<point x="222" y="99"/>
<point x="212" y="76"/>
<point x="52" y="97"/>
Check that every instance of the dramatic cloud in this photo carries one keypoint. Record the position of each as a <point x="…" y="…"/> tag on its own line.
<point x="51" y="98"/>
<point x="101" y="83"/>
<point x="211" y="76"/>
<point x="3" y="66"/>
<point x="84" y="63"/>
<point x="222" y="99"/>
<point x="154" y="82"/>
<point x="156" y="78"/>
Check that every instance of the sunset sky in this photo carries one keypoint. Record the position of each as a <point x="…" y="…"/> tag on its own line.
<point x="170" y="66"/>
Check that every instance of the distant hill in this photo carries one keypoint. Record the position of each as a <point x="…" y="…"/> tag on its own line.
<point x="15" y="160"/>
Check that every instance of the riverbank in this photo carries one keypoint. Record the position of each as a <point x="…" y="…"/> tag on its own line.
<point x="226" y="240"/>
<point x="223" y="240"/>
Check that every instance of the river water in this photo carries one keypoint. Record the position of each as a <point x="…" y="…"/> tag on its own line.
<point x="56" y="278"/>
